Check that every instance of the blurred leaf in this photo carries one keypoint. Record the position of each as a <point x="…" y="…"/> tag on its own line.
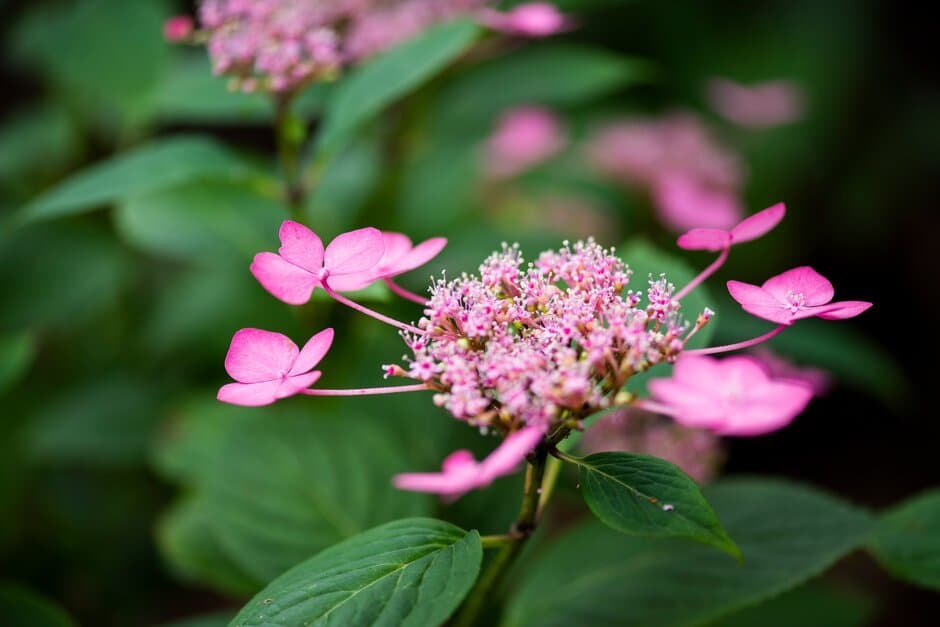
<point x="216" y="619"/>
<point x="21" y="607"/>
<point x="17" y="352"/>
<point x="157" y="165"/>
<point x="189" y="545"/>
<point x="388" y="77"/>
<point x="812" y="605"/>
<point x="38" y="140"/>
<point x="105" y="54"/>
<point x="106" y="421"/>
<point x="437" y="187"/>
<point x="907" y="540"/>
<point x="411" y="573"/>
<point x="787" y="532"/>
<point x="59" y="275"/>
<point x="206" y="222"/>
<point x="291" y="485"/>
<point x="344" y="186"/>
<point x="851" y="356"/>
<point x="578" y="74"/>
<point x="647" y="496"/>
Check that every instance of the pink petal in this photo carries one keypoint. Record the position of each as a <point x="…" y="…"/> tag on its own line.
<point x="461" y="473"/>
<point x="697" y="371"/>
<point x="312" y="352"/>
<point x="841" y="310"/>
<point x="284" y="280"/>
<point x="705" y="239"/>
<point x="352" y="282"/>
<point x="421" y="254"/>
<point x="758" y="224"/>
<point x="295" y="384"/>
<point x="770" y="407"/>
<point x="759" y="302"/>
<point x="256" y="355"/>
<point x="742" y="373"/>
<point x="397" y="245"/>
<point x="815" y="288"/>
<point x="692" y="407"/>
<point x="301" y="246"/>
<point x="249" y="394"/>
<point x="507" y="457"/>
<point x="355" y="251"/>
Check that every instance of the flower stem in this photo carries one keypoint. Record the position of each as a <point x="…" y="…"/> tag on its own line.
<point x="738" y="345"/>
<point x="365" y="310"/>
<point x="392" y="389"/>
<point x="289" y="134"/>
<point x="521" y="530"/>
<point x="406" y="294"/>
<point x="704" y="274"/>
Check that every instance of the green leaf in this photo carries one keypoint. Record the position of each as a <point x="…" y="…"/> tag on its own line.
<point x="815" y="604"/>
<point x="208" y="222"/>
<point x="907" y="540"/>
<point x="408" y="573"/>
<point x="39" y="139"/>
<point x="186" y="540"/>
<point x="388" y="77"/>
<point x="349" y="178"/>
<point x="215" y="619"/>
<point x="17" y="352"/>
<point x="788" y="533"/>
<point x="578" y="74"/>
<point x="645" y="495"/>
<point x="21" y="607"/>
<point x="294" y="483"/>
<point x="157" y="165"/>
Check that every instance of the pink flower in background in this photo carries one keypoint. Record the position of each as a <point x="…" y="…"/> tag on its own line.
<point x="268" y="366"/>
<point x="763" y="105"/>
<point x="524" y="137"/>
<point x="693" y="180"/>
<point x="302" y="264"/>
<point x="793" y="295"/>
<point x="781" y="368"/>
<point x="732" y="396"/>
<point x="461" y="473"/>
<point x="533" y="19"/>
<point x="178" y="28"/>
<point x="747" y="230"/>
<point x="696" y="451"/>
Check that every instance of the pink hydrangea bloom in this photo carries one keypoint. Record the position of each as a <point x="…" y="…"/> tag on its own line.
<point x="763" y="105"/>
<point x="793" y="295"/>
<point x="694" y="181"/>
<point x="461" y="473"/>
<point x="268" y="366"/>
<point x="533" y="19"/>
<point x="524" y="137"/>
<point x="178" y="28"/>
<point x="749" y="229"/>
<point x="302" y="264"/>
<point x="732" y="396"/>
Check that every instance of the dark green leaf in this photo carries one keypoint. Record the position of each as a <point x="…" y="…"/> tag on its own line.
<point x="788" y="534"/>
<point x="645" y="495"/>
<point x="17" y="352"/>
<point x="907" y="540"/>
<point x="216" y="619"/>
<point x="408" y="573"/>
<point x="160" y="164"/>
<point x="20" y="607"/>
<point x="388" y="77"/>
<point x="815" y="604"/>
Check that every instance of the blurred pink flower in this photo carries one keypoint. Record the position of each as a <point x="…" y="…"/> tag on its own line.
<point x="533" y="19"/>
<point x="461" y="473"/>
<point x="781" y="368"/>
<point x="732" y="396"/>
<point x="268" y="366"/>
<point x="793" y="295"/>
<point x="178" y="28"/>
<point x="693" y="180"/>
<point x="524" y="137"/>
<point x="696" y="451"/>
<point x="763" y="105"/>
<point x="749" y="229"/>
<point x="302" y="264"/>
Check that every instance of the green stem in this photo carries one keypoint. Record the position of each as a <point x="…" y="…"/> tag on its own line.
<point x="512" y="543"/>
<point x="289" y="132"/>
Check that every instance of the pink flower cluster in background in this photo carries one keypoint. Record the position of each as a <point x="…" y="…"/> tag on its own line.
<point x="524" y="137"/>
<point x="280" y="45"/>
<point x="693" y="180"/>
<point x="763" y="105"/>
<point x="528" y="351"/>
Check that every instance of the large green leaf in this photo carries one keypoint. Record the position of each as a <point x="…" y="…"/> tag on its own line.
<point x="21" y="607"/>
<point x="648" y="496"/>
<point x="157" y="165"/>
<point x="208" y="222"/>
<point x="17" y="352"/>
<point x="907" y="540"/>
<point x="577" y="75"/>
<point x="816" y="604"/>
<point x="787" y="532"/>
<point x="388" y="77"/>
<point x="407" y="573"/>
<point x="285" y="488"/>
